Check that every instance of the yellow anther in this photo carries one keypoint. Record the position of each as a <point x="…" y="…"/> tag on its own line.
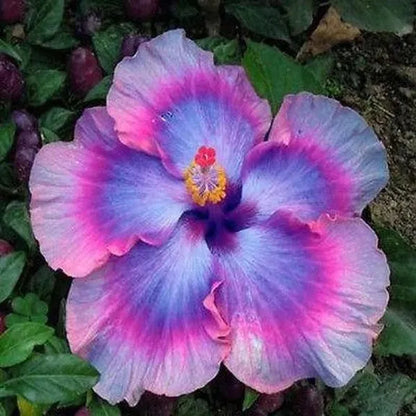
<point x="205" y="184"/>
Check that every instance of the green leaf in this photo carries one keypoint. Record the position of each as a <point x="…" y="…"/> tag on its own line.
<point x="7" y="177"/>
<point x="6" y="139"/>
<point x="11" y="51"/>
<point x="320" y="67"/>
<point x="20" y="52"/>
<point x="11" y="267"/>
<point x="48" y="136"/>
<point x="402" y="260"/>
<point x="3" y="375"/>
<point x="27" y="408"/>
<point x="56" y="119"/>
<point x="46" y="20"/>
<point x="99" y="92"/>
<point x="275" y="74"/>
<point x="226" y="52"/>
<point x="99" y="407"/>
<point x="399" y="334"/>
<point x="184" y="10"/>
<point x="336" y="409"/>
<point x="110" y="8"/>
<point x="56" y="345"/>
<point x="44" y="84"/>
<point x="378" y="16"/>
<point x="299" y="13"/>
<point x="61" y="41"/>
<point x="364" y="378"/>
<point x="372" y="395"/>
<point x="24" y="50"/>
<point x="191" y="406"/>
<point x="265" y="21"/>
<point x="17" y="343"/>
<point x="16" y="217"/>
<point x="29" y="305"/>
<point x="41" y="59"/>
<point x="28" y="308"/>
<point x="250" y="397"/>
<point x="107" y="45"/>
<point x="13" y="319"/>
<point x="42" y="283"/>
<point x="76" y="401"/>
<point x="7" y="406"/>
<point x="51" y="378"/>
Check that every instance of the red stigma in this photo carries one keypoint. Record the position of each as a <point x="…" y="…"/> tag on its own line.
<point x="205" y="156"/>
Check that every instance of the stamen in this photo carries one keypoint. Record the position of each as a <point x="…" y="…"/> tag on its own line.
<point x="205" y="180"/>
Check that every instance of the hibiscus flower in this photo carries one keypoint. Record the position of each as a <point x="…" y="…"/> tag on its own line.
<point x="195" y="242"/>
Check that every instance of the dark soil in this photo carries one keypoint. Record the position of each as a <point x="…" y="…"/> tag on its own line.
<point x="376" y="75"/>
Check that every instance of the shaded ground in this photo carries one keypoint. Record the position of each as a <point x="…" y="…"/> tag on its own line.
<point x="377" y="76"/>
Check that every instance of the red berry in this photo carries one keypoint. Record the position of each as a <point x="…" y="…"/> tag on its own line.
<point x="308" y="401"/>
<point x="141" y="9"/>
<point x="268" y="403"/>
<point x="5" y="248"/>
<point x="131" y="43"/>
<point x="28" y="142"/>
<point x="2" y="322"/>
<point x="23" y="161"/>
<point x="83" y="411"/>
<point x="28" y="138"/>
<point x="84" y="71"/>
<point x="24" y="121"/>
<point x="12" y="11"/>
<point x="11" y="80"/>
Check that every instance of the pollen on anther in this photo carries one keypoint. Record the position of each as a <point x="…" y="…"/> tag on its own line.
<point x="205" y="179"/>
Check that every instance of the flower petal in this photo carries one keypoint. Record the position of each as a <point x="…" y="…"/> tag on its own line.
<point x="329" y="161"/>
<point x="302" y="301"/>
<point x="148" y="320"/>
<point x="171" y="99"/>
<point x="293" y="178"/>
<point x="95" y="196"/>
